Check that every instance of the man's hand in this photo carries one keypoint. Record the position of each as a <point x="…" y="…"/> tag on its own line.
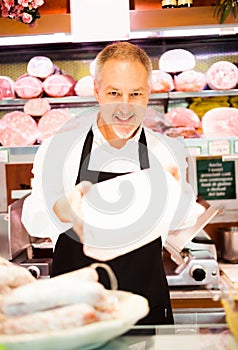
<point x="68" y="207"/>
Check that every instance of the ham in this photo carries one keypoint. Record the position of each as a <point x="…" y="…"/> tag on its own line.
<point x="27" y="86"/>
<point x="85" y="86"/>
<point x="6" y="88"/>
<point x="190" y="80"/>
<point x="161" y="81"/>
<point x="59" y="85"/>
<point x="183" y="117"/>
<point x="52" y="121"/>
<point x="37" y="106"/>
<point x="220" y="122"/>
<point x="40" y="67"/>
<point x="222" y="75"/>
<point x="176" y="60"/>
<point x="155" y="120"/>
<point x="18" y="129"/>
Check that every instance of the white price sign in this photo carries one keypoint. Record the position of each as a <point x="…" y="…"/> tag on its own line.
<point x="219" y="147"/>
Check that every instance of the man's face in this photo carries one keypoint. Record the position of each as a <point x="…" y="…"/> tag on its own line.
<point x="122" y="94"/>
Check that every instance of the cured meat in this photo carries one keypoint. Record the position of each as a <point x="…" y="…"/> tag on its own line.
<point x="37" y="106"/>
<point x="222" y="75"/>
<point x="186" y="132"/>
<point x="40" y="67"/>
<point x="12" y="276"/>
<point x="155" y="120"/>
<point x="6" y="88"/>
<point x="18" y="129"/>
<point x="161" y="81"/>
<point x="85" y="86"/>
<point x="176" y="60"/>
<point x="50" y="320"/>
<point x="182" y="116"/>
<point x="55" y="292"/>
<point x="28" y="87"/>
<point x="59" y="85"/>
<point x="220" y="122"/>
<point x="52" y="122"/>
<point x="190" y="80"/>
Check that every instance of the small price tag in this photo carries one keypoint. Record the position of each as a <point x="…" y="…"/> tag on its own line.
<point x="196" y="150"/>
<point x="219" y="147"/>
<point x="4" y="158"/>
<point x="235" y="144"/>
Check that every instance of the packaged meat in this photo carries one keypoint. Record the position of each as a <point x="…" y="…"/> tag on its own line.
<point x="6" y="88"/>
<point x="52" y="122"/>
<point x="40" y="67"/>
<point x="18" y="129"/>
<point x="27" y="86"/>
<point x="222" y="75"/>
<point x="181" y="116"/>
<point x="85" y="86"/>
<point x="190" y="80"/>
<point x="161" y="81"/>
<point x="59" y="85"/>
<point x="155" y="120"/>
<point x="220" y="122"/>
<point x="176" y="60"/>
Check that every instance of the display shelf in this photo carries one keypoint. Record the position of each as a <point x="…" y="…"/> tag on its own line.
<point x="90" y="100"/>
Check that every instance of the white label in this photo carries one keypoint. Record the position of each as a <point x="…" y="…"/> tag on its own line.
<point x="219" y="147"/>
<point x="4" y="155"/>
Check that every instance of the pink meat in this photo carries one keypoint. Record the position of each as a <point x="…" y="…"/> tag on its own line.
<point x="18" y="129"/>
<point x="154" y="120"/>
<point x="51" y="122"/>
<point x="190" y="80"/>
<point x="220" y="122"/>
<point x="28" y="87"/>
<point x="85" y="86"/>
<point x="37" y="106"/>
<point x="222" y="75"/>
<point x="59" y="85"/>
<point x="6" y="88"/>
<point x="40" y="67"/>
<point x="182" y="116"/>
<point x="161" y="81"/>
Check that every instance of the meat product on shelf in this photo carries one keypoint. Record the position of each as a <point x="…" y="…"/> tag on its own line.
<point x="176" y="60"/>
<point x="201" y="105"/>
<point x="155" y="120"/>
<point x="27" y="86"/>
<point x="52" y="122"/>
<point x="220" y="122"/>
<point x="185" y="132"/>
<point x="59" y="85"/>
<point x="40" y="67"/>
<point x="37" y="106"/>
<point x="18" y="129"/>
<point x="6" y="88"/>
<point x="161" y="81"/>
<point x="181" y="116"/>
<point x="85" y="86"/>
<point x="222" y="75"/>
<point x="190" y="80"/>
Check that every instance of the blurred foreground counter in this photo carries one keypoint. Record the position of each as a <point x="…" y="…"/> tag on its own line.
<point x="192" y="336"/>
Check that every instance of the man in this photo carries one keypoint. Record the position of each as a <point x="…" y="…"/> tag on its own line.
<point x="116" y="144"/>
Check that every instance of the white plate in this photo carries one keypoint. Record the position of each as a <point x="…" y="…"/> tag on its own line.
<point x="132" y="308"/>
